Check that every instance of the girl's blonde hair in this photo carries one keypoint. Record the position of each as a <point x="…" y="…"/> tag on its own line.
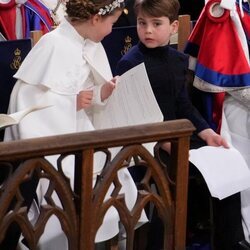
<point x="83" y="9"/>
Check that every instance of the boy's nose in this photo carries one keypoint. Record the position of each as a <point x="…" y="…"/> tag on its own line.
<point x="148" y="29"/>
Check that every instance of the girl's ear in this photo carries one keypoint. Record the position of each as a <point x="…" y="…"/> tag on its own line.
<point x="95" y="19"/>
<point x="174" y="27"/>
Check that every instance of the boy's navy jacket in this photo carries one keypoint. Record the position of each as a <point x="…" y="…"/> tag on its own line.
<point x="167" y="71"/>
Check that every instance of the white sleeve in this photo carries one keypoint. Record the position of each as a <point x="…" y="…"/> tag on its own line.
<point x="90" y="84"/>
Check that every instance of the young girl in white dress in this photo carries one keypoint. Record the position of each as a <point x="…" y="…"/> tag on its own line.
<point x="68" y="68"/>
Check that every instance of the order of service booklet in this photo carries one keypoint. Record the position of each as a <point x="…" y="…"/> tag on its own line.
<point x="224" y="170"/>
<point x="7" y="120"/>
<point x="131" y="103"/>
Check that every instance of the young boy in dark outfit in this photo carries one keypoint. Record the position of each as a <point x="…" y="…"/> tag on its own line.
<point x="167" y="70"/>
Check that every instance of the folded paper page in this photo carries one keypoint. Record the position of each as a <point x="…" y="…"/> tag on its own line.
<point x="14" y="118"/>
<point x="224" y="170"/>
<point x="132" y="102"/>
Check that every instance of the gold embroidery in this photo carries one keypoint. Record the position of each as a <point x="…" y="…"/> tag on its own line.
<point x="125" y="11"/>
<point x="127" y="45"/>
<point x="17" y="60"/>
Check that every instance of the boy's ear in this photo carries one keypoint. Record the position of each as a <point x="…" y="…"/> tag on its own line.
<point x="174" y="27"/>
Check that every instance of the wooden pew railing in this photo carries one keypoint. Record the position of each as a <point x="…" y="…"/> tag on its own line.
<point x="83" y="208"/>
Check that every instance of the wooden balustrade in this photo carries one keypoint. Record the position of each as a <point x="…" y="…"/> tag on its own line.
<point x="82" y="209"/>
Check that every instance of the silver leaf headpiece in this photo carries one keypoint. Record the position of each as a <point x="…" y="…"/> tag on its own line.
<point x="109" y="8"/>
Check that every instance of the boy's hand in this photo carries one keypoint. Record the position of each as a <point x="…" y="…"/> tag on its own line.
<point x="84" y="99"/>
<point x="212" y="138"/>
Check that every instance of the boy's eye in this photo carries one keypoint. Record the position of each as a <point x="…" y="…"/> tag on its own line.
<point x="141" y="23"/>
<point x="157" y="24"/>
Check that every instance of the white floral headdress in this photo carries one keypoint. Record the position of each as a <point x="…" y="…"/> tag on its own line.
<point x="109" y="8"/>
